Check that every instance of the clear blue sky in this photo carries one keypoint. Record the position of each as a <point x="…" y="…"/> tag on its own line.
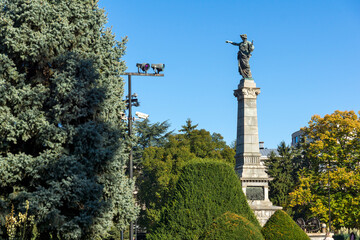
<point x="306" y="60"/>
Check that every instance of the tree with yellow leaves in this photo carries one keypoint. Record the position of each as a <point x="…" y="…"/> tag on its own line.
<point x="331" y="145"/>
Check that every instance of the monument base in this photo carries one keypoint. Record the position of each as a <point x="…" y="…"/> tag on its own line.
<point x="320" y="236"/>
<point x="259" y="203"/>
<point x="263" y="210"/>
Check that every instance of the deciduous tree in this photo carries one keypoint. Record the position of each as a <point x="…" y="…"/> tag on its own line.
<point x="332" y="146"/>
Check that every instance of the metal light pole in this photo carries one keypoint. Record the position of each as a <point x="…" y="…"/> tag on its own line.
<point x="130" y="119"/>
<point x="130" y="127"/>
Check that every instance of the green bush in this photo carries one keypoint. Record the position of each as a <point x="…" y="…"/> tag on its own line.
<point x="234" y="227"/>
<point x="205" y="190"/>
<point x="344" y="233"/>
<point x="341" y="237"/>
<point x="280" y="226"/>
<point x="344" y="236"/>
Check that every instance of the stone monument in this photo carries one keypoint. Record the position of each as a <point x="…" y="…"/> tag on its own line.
<point x="254" y="179"/>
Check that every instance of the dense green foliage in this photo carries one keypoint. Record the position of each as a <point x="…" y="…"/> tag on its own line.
<point x="346" y="236"/>
<point x="62" y="141"/>
<point x="280" y="226"/>
<point x="332" y="148"/>
<point x="233" y="227"/>
<point x="283" y="169"/>
<point x="149" y="135"/>
<point x="205" y="190"/>
<point x="161" y="166"/>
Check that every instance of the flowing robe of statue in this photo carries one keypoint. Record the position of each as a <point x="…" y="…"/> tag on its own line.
<point x="244" y="54"/>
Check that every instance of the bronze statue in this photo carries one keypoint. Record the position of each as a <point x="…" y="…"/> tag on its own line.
<point x="244" y="54"/>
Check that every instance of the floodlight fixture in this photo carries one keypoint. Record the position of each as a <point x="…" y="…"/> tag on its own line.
<point x="159" y="67"/>
<point x="134" y="101"/>
<point x="143" y="66"/>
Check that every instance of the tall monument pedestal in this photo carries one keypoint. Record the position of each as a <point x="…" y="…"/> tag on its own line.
<point x="254" y="179"/>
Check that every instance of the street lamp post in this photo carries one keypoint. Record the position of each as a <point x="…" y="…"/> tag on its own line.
<point x="130" y="128"/>
<point x="130" y="119"/>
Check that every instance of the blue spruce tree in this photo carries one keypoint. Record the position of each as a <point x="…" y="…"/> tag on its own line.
<point x="62" y="140"/>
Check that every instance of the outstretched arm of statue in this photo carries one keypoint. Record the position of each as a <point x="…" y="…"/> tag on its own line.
<point x="236" y="44"/>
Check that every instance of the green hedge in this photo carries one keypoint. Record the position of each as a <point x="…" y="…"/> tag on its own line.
<point x="233" y="227"/>
<point x="205" y="190"/>
<point x="280" y="226"/>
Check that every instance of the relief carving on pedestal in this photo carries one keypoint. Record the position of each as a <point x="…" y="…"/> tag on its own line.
<point x="264" y="213"/>
<point x="252" y="160"/>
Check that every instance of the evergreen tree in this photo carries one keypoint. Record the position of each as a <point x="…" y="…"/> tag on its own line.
<point x="149" y="135"/>
<point x="282" y="169"/>
<point x="62" y="141"/>
<point x="152" y="134"/>
<point x="188" y="128"/>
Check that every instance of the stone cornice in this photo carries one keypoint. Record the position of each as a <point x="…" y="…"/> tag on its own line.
<point x="246" y="92"/>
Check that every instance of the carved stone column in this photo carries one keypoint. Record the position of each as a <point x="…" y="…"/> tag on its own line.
<point x="254" y="179"/>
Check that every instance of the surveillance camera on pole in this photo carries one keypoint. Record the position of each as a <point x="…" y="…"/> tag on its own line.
<point x="123" y="116"/>
<point x="142" y="115"/>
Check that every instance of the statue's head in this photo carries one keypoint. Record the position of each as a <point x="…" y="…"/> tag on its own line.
<point x="243" y="36"/>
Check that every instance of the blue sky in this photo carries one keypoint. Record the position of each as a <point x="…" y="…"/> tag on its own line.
<point x="306" y="60"/>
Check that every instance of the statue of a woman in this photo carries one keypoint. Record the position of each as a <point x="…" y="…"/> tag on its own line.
<point x="244" y="54"/>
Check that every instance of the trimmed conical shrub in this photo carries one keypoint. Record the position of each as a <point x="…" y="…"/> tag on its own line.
<point x="280" y="226"/>
<point x="234" y="227"/>
<point x="205" y="190"/>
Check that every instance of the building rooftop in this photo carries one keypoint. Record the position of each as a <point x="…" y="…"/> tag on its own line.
<point x="266" y="152"/>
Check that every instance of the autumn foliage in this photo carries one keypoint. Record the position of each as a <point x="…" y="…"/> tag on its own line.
<point x="332" y="147"/>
